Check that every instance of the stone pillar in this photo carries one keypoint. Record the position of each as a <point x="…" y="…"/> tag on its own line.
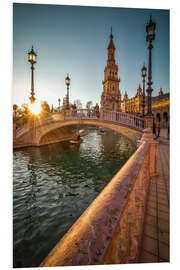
<point x="149" y="121"/>
<point x="148" y="137"/>
<point x="101" y="113"/>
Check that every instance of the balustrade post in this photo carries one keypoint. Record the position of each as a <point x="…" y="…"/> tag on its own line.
<point x="149" y="121"/>
<point x="149" y="138"/>
<point x="101" y="114"/>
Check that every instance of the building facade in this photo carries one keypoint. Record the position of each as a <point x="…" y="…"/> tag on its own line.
<point x="160" y="109"/>
<point x="133" y="105"/>
<point x="111" y="96"/>
<point x="160" y="106"/>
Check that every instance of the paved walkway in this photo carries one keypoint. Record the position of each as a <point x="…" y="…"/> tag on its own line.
<point x="155" y="244"/>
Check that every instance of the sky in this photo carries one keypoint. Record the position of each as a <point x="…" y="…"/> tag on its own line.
<point x="74" y="40"/>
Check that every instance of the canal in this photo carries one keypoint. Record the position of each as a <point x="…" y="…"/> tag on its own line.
<point x="54" y="184"/>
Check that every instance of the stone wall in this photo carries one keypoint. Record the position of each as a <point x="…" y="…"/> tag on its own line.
<point x="110" y="229"/>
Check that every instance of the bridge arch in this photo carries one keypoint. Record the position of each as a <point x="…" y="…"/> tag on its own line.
<point x="131" y="133"/>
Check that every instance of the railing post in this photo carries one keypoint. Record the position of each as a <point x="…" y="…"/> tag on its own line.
<point x="101" y="114"/>
<point x="149" y="137"/>
<point x="149" y="121"/>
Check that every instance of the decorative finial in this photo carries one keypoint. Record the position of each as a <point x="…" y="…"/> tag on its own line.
<point x="111" y="35"/>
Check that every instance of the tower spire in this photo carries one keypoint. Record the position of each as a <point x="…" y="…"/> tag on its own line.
<point x="111" y="35"/>
<point x="111" y="96"/>
<point x="111" y="44"/>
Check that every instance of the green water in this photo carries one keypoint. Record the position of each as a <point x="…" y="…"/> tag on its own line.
<point x="54" y="184"/>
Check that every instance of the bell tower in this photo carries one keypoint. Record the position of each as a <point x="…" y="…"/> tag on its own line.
<point x="111" y="96"/>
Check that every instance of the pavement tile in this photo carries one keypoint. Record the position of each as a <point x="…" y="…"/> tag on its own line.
<point x="149" y="219"/>
<point x="164" y="251"/>
<point x="162" y="200"/>
<point x="163" y="207"/>
<point x="151" y="211"/>
<point x="160" y="260"/>
<point x="156" y="222"/>
<point x="152" y="204"/>
<point x="163" y="225"/>
<point x="161" y="191"/>
<point x="162" y="196"/>
<point x="149" y="244"/>
<point x="164" y="203"/>
<point x="153" y="198"/>
<point x="163" y="236"/>
<point x="151" y="230"/>
<point x="163" y="215"/>
<point x="147" y="257"/>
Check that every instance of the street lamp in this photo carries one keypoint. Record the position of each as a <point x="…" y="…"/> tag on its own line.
<point x="59" y="101"/>
<point x="32" y="59"/>
<point x="150" y="29"/>
<point x="67" y="83"/>
<point x="143" y="70"/>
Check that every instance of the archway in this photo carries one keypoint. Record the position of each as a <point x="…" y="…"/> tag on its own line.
<point x="165" y="119"/>
<point x="158" y="118"/>
<point x="132" y="134"/>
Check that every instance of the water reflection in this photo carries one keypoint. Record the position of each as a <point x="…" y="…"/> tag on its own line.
<point x="54" y="184"/>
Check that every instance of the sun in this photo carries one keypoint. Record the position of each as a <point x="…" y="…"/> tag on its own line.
<point x="35" y="108"/>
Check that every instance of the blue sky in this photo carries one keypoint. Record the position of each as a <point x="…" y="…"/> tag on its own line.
<point x="74" y="40"/>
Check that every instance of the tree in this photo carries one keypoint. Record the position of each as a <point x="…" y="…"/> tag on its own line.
<point x="25" y="110"/>
<point x="22" y="114"/>
<point x="78" y="104"/>
<point x="15" y="107"/>
<point x="45" y="108"/>
<point x="89" y="105"/>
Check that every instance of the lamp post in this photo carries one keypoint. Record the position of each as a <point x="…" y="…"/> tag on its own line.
<point x="67" y="83"/>
<point x="32" y="59"/>
<point x="143" y="70"/>
<point x="150" y="29"/>
<point x="59" y="101"/>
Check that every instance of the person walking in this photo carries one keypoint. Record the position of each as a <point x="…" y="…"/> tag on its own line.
<point x="154" y="129"/>
<point x="158" y="129"/>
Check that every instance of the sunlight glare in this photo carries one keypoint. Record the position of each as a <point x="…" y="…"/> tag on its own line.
<point x="35" y="108"/>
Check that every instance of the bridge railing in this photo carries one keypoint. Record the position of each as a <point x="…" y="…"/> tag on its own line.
<point x="82" y="114"/>
<point x="124" y="118"/>
<point x="112" y="116"/>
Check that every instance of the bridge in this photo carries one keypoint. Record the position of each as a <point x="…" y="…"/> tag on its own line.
<point x="38" y="131"/>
